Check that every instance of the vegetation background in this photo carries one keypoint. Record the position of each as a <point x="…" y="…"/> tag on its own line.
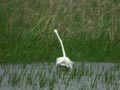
<point x="90" y="30"/>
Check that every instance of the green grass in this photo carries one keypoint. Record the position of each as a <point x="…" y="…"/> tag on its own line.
<point x="90" y="30"/>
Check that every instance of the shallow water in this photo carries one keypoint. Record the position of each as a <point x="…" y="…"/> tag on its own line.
<point x="44" y="76"/>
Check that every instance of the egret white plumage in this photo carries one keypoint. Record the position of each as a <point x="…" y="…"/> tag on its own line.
<point x="63" y="61"/>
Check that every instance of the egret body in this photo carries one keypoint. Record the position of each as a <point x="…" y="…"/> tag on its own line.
<point x="63" y="61"/>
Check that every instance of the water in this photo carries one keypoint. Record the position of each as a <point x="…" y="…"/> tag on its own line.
<point x="44" y="76"/>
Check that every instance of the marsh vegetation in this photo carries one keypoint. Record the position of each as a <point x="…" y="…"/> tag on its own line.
<point x="43" y="76"/>
<point x="90" y="30"/>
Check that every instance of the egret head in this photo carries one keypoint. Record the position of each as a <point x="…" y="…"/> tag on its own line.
<point x="55" y="30"/>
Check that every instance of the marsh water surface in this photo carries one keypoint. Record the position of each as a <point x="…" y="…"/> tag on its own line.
<point x="45" y="76"/>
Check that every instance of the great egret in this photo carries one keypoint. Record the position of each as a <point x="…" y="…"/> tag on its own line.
<point x="63" y="61"/>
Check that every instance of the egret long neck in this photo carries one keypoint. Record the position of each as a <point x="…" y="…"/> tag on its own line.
<point x="63" y="50"/>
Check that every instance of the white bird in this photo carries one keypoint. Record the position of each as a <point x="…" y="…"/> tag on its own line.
<point x="63" y="61"/>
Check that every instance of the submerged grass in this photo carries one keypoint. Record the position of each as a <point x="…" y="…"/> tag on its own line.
<point x="84" y="76"/>
<point x="90" y="30"/>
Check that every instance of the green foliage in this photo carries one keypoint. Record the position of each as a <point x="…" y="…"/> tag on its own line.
<point x="89" y="29"/>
